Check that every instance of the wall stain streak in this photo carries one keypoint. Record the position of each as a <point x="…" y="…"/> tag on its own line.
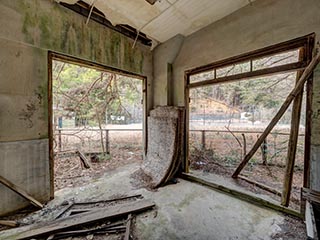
<point x="27" y="113"/>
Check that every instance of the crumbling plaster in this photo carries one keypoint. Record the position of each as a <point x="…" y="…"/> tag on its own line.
<point x="263" y="23"/>
<point x="29" y="29"/>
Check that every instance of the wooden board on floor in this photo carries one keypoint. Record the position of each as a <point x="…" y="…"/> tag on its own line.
<point x="20" y="191"/>
<point x="241" y="195"/>
<point x="85" y="218"/>
<point x="8" y="223"/>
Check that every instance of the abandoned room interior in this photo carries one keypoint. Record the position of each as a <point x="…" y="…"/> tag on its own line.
<point x="159" y="119"/>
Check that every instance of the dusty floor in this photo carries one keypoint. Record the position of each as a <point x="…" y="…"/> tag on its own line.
<point x="184" y="211"/>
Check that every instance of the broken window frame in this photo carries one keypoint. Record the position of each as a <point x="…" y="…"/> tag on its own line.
<point x="93" y="65"/>
<point x="305" y="44"/>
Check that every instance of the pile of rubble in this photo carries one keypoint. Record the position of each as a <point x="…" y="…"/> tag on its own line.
<point x="113" y="216"/>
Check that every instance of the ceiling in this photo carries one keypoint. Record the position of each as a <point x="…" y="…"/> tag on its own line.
<point x="166" y="18"/>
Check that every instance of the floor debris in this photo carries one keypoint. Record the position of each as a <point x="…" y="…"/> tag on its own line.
<point x="83" y="159"/>
<point x="9" y="223"/>
<point x="111" y="216"/>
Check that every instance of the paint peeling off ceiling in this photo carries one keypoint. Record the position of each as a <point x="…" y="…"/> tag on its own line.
<point x="166" y="18"/>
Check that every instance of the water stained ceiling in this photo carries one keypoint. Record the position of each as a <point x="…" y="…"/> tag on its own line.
<point x="165" y="18"/>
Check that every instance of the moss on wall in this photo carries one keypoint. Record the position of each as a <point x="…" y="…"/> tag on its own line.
<point x="50" y="26"/>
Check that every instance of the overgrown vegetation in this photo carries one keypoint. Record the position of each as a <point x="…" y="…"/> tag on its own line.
<point x="86" y="98"/>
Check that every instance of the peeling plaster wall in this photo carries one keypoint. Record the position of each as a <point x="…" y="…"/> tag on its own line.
<point x="261" y="24"/>
<point x="29" y="28"/>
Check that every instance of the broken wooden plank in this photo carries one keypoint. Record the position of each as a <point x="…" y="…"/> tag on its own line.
<point x="260" y="185"/>
<point x="83" y="159"/>
<point x="242" y="195"/>
<point x="98" y="230"/>
<point x="297" y="89"/>
<point x="109" y="200"/>
<point x="128" y="226"/>
<point x="63" y="211"/>
<point x="85" y="218"/>
<point x="310" y="195"/>
<point x="109" y="228"/>
<point x="77" y="211"/>
<point x="292" y="145"/>
<point x="20" y="191"/>
<point x="9" y="223"/>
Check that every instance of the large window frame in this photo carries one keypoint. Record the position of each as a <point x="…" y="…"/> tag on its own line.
<point x="305" y="44"/>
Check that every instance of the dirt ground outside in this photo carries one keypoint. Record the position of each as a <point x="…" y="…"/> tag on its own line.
<point x="125" y="147"/>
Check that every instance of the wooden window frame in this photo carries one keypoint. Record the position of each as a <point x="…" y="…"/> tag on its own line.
<point x="305" y="44"/>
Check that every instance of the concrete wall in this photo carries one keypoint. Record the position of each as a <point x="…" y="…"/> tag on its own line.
<point x="29" y="28"/>
<point x="263" y="23"/>
<point x="164" y="56"/>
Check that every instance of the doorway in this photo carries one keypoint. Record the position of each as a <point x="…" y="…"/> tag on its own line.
<point x="97" y="120"/>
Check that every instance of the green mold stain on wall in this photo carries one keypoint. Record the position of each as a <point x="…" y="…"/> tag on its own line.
<point x="28" y="24"/>
<point x="50" y="26"/>
<point x="114" y="48"/>
<point x="45" y="31"/>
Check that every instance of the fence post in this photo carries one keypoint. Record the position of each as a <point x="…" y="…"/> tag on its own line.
<point x="59" y="140"/>
<point x="203" y="139"/>
<point x="107" y="142"/>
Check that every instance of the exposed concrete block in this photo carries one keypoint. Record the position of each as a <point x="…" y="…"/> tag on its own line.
<point x="25" y="163"/>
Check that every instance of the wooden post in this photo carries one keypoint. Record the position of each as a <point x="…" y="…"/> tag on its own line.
<point x="292" y="145"/>
<point x="203" y="139"/>
<point x="306" y="74"/>
<point x="264" y="152"/>
<point x="107" y="142"/>
<point x="244" y="144"/>
<point x="59" y="140"/>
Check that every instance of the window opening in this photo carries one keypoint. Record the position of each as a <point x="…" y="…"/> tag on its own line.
<point x="230" y="104"/>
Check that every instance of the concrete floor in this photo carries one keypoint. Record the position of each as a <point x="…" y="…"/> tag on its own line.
<point x="184" y="210"/>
